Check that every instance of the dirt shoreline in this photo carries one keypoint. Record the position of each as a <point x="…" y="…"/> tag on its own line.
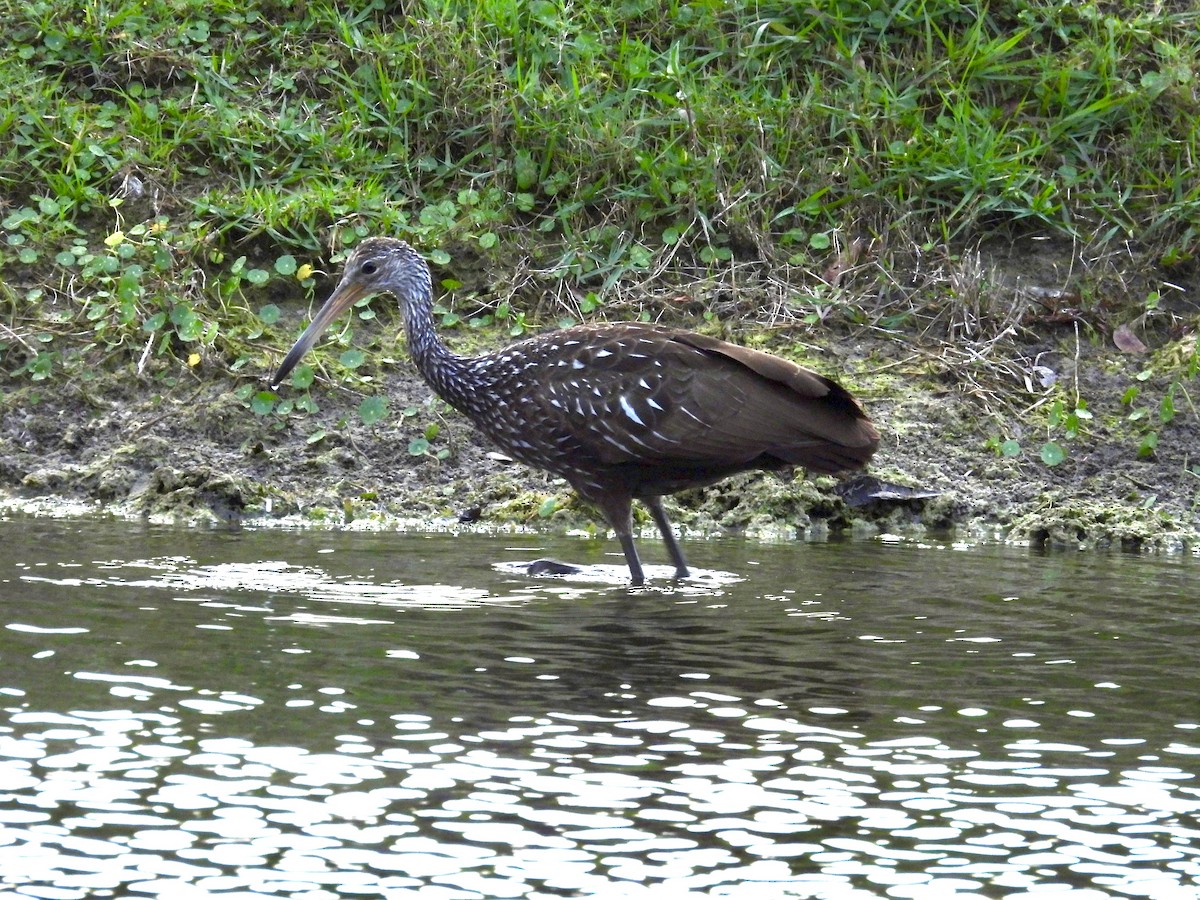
<point x="116" y="443"/>
<point x="181" y="443"/>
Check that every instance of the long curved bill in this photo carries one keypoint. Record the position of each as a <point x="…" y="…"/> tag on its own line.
<point x="339" y="301"/>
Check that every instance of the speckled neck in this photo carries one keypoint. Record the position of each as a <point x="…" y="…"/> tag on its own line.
<point x="449" y="374"/>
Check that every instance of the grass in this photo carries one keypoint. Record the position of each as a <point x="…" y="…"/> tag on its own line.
<point x="171" y="172"/>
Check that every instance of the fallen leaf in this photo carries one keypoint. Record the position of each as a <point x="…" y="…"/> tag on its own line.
<point x="1127" y="341"/>
<point x="1046" y="378"/>
<point x="845" y="261"/>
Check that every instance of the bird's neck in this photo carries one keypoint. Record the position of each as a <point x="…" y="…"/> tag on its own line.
<point x="442" y="369"/>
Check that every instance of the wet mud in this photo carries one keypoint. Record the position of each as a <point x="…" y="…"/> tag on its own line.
<point x="184" y="445"/>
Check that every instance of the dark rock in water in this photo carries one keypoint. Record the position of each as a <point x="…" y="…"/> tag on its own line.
<point x="551" y="567"/>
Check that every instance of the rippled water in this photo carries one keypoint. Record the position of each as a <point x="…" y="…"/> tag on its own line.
<point x="324" y="715"/>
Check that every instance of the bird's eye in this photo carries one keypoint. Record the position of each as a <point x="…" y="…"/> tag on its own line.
<point x="368" y="268"/>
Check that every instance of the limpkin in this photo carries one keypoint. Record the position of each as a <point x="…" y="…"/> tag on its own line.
<point x="622" y="411"/>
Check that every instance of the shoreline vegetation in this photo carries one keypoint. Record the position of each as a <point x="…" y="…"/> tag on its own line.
<point x="982" y="219"/>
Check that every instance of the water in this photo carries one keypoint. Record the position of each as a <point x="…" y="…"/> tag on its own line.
<point x="327" y="715"/>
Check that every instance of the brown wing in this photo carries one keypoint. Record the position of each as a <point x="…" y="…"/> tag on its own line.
<point x="630" y="393"/>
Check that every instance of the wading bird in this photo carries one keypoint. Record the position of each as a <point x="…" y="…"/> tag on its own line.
<point x="621" y="411"/>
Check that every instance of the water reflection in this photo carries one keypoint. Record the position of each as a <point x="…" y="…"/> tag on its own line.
<point x="325" y="715"/>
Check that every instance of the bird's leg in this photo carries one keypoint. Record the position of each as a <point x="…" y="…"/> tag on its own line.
<point x="618" y="510"/>
<point x="631" y="557"/>
<point x="654" y="504"/>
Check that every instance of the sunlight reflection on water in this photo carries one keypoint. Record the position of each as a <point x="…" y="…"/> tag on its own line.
<point x="182" y="726"/>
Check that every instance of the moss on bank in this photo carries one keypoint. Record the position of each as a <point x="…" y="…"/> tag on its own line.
<point x="981" y="218"/>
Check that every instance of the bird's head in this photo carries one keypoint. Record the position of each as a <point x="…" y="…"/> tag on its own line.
<point x="377" y="265"/>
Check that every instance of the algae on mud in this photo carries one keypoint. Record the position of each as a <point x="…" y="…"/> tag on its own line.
<point x="194" y="451"/>
<point x="174" y="175"/>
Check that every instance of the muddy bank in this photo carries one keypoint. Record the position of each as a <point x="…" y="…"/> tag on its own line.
<point x="183" y="444"/>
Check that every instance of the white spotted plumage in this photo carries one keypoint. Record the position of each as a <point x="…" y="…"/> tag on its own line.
<point x="621" y="411"/>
